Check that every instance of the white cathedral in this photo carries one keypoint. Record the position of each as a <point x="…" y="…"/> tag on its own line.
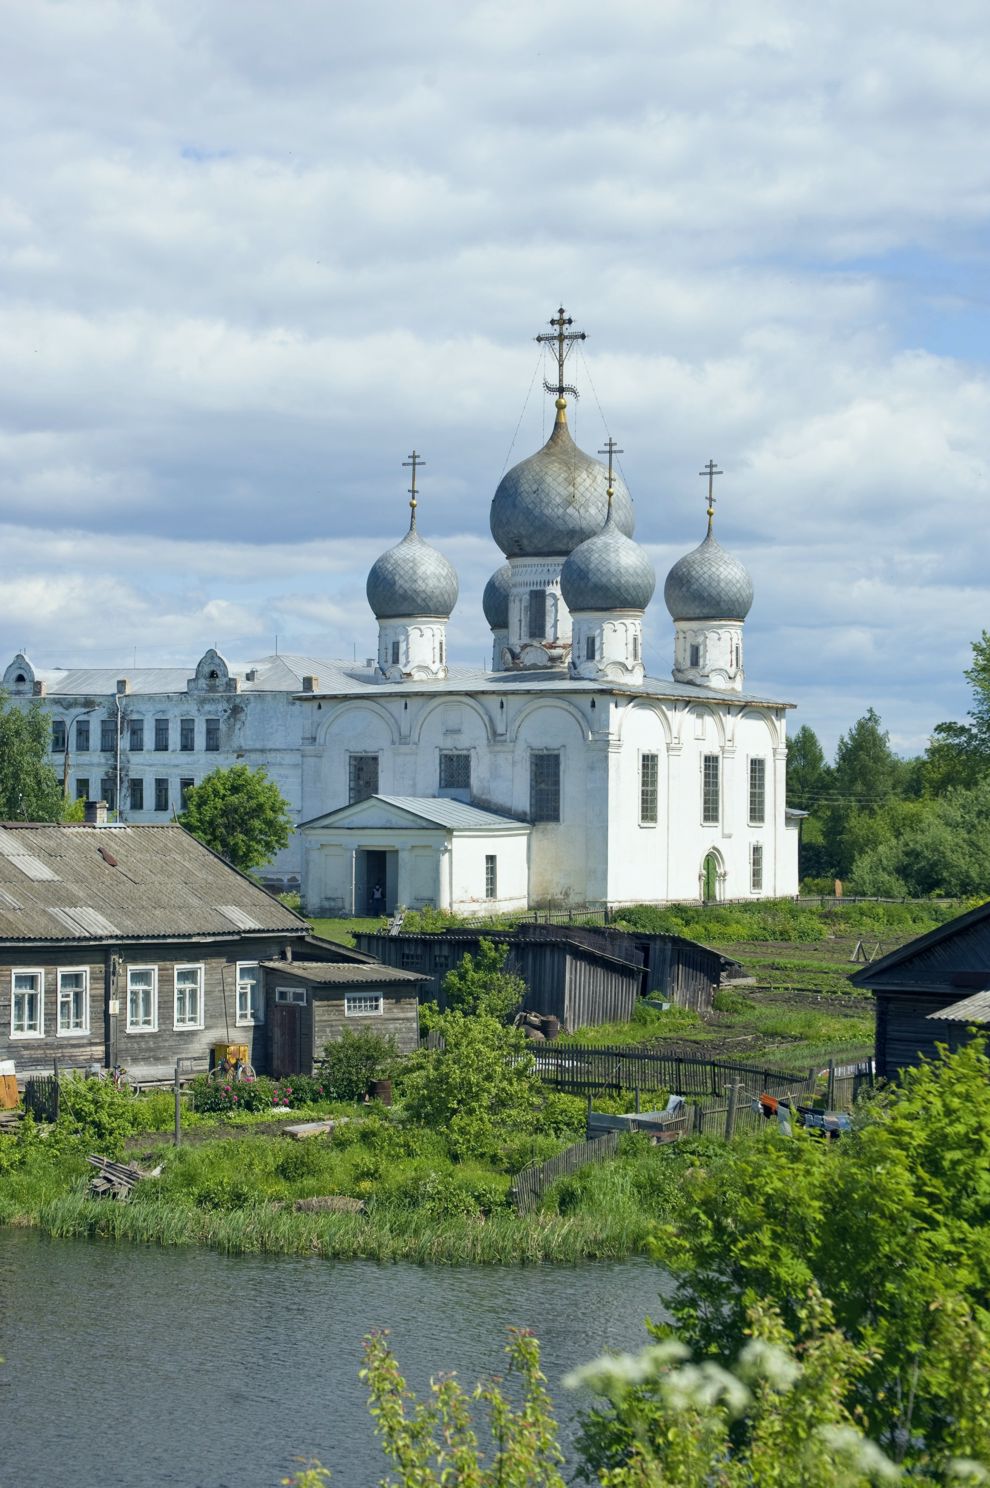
<point x="564" y="774"/>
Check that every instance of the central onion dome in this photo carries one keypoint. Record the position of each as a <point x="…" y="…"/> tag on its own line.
<point x="708" y="584"/>
<point x="553" y="501"/>
<point x="412" y="579"/>
<point x="608" y="572"/>
<point x="495" y="601"/>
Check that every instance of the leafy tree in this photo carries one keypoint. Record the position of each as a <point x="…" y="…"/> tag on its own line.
<point x="865" y="777"/>
<point x="928" y="847"/>
<point x="240" y="814"/>
<point x="30" y="790"/>
<point x="480" y="1088"/>
<point x="959" y="753"/>
<point x="481" y="984"/>
<point x="808" y="773"/>
<point x="350" y="1063"/>
<point x="890" y="1224"/>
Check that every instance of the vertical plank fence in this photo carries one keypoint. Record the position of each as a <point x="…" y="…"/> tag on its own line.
<point x="533" y="1181"/>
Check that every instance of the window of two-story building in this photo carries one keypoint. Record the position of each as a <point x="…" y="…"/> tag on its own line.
<point x="649" y="789"/>
<point x="187" y="735"/>
<point x="161" y="734"/>
<point x="60" y="736"/>
<point x="757" y="792"/>
<point x="185" y="786"/>
<point x="27" y="1004"/>
<point x="137" y="794"/>
<point x="136" y="734"/>
<point x="108" y="734"/>
<point x="362" y="777"/>
<point x="73" y="1000"/>
<point x="250" y="999"/>
<point x="711" y="790"/>
<point x="161" y="793"/>
<point x="82" y="735"/>
<point x="82" y="787"/>
<point x="142" y="999"/>
<point x="544" y="786"/>
<point x="212" y="735"/>
<point x="108" y="791"/>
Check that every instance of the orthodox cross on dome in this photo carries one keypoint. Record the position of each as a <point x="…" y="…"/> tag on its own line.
<point x="564" y="339"/>
<point x="711" y="470"/>
<point x="611" y="449"/>
<point x="414" y="462"/>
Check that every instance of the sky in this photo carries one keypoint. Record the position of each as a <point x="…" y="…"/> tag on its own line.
<point x="254" y="254"/>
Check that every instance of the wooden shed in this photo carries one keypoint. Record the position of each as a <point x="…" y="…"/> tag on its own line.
<point x="310" y="1003"/>
<point x="673" y="968"/>
<point x="576" y="983"/>
<point x="927" y="993"/>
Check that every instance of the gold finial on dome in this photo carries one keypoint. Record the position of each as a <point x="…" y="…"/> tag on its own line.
<point x="414" y="461"/>
<point x="564" y="339"/>
<point x="711" y="470"/>
<point x="611" y="449"/>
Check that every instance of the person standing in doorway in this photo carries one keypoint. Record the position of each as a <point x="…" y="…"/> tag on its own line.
<point x="378" y="899"/>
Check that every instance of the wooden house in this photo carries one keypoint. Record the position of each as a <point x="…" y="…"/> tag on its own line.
<point x="310" y="1003"/>
<point x="137" y="946"/>
<point x="932" y="991"/>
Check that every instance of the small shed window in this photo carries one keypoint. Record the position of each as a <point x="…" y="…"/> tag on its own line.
<point x="294" y="995"/>
<point x="410" y="955"/>
<point x="250" y="1004"/>
<point x="363" y="1004"/>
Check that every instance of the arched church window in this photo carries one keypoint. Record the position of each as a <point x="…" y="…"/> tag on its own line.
<point x="589" y="648"/>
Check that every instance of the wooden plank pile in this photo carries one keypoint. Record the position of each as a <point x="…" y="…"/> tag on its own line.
<point x="113" y="1180"/>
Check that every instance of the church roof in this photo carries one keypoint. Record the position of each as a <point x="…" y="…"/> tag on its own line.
<point x="439" y="811"/>
<point x="608" y="572"/>
<point x="411" y="579"/>
<point x="708" y="584"/>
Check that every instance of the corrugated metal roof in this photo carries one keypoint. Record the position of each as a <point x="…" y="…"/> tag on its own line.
<point x="448" y="813"/>
<point x="162" y="883"/>
<point x="338" y="973"/>
<point x="975" y="1009"/>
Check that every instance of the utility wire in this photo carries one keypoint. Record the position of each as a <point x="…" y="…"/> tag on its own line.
<point x="539" y="361"/>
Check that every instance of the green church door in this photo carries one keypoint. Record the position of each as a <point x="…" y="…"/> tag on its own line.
<point x="710" y="873"/>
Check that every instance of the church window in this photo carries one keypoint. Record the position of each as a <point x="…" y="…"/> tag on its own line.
<point x="59" y="737"/>
<point x="136" y="733"/>
<point x="537" y="628"/>
<point x="635" y="641"/>
<point x="161" y="733"/>
<point x="82" y="735"/>
<point x="491" y="876"/>
<point x="695" y="655"/>
<point x="710" y="792"/>
<point x="455" y="770"/>
<point x="108" y="791"/>
<point x="362" y="777"/>
<point x="137" y="795"/>
<point x="187" y="735"/>
<point x="212" y="735"/>
<point x="185" y="786"/>
<point x="649" y="788"/>
<point x="395" y="653"/>
<point x="756" y="867"/>
<point x="757" y="791"/>
<point x="161" y="793"/>
<point x="544" y="787"/>
<point x="82" y="788"/>
<point x="440" y="651"/>
<point x="589" y="648"/>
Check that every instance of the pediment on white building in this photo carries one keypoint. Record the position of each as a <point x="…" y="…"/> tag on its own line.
<point x="413" y="813"/>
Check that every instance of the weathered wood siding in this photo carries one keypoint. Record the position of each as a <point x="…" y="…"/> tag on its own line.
<point x="146" y="1054"/>
<point x="399" y="1017"/>
<point x="904" y="1034"/>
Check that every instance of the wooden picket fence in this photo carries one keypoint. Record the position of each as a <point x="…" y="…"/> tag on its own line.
<point x="532" y="1181"/>
<point x="576" y="1068"/>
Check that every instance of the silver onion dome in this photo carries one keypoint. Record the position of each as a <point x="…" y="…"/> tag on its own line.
<point x="608" y="572"/>
<point x="412" y="579"/>
<point x="495" y="601"/>
<point x="555" y="499"/>
<point x="708" y="584"/>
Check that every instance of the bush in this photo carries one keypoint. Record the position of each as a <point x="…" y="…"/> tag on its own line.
<point x="299" y="1090"/>
<point x="350" y="1063"/>
<point x="214" y="1097"/>
<point x="95" y="1111"/>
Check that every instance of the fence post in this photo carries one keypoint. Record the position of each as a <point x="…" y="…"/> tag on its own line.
<point x="178" y="1107"/>
<point x="637" y="1098"/>
<point x="56" y="1093"/>
<point x="730" y="1115"/>
<point x="830" y="1096"/>
<point x="699" y="1120"/>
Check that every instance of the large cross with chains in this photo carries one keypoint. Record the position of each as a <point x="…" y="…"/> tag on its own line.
<point x="564" y="339"/>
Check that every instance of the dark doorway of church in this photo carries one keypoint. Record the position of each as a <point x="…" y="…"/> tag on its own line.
<point x="710" y="873"/>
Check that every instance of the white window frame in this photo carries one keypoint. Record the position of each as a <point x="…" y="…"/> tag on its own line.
<point x="151" y="1027"/>
<point x="706" y="820"/>
<point x="83" y="1029"/>
<point x="491" y="875"/>
<point x="756" y="857"/>
<point x="295" y="996"/>
<point x="756" y="821"/>
<point x="255" y="1013"/>
<point x="188" y="1023"/>
<point x="363" y="1004"/>
<point x="654" y="820"/>
<point x="38" y="972"/>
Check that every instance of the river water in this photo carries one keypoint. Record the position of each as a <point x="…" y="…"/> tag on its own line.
<point x="141" y="1367"/>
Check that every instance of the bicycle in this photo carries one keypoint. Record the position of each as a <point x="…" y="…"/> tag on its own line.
<point x="231" y="1071"/>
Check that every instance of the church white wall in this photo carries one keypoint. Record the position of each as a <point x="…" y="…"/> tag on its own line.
<point x="467" y="887"/>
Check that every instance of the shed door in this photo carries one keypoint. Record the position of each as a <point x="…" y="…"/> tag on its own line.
<point x="287" y="1022"/>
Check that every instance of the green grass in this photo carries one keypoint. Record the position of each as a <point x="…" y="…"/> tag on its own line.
<point x="344" y="930"/>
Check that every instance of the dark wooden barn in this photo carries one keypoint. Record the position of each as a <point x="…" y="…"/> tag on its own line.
<point x="583" y="976"/>
<point x="927" y="993"/>
<point x="310" y="1003"/>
